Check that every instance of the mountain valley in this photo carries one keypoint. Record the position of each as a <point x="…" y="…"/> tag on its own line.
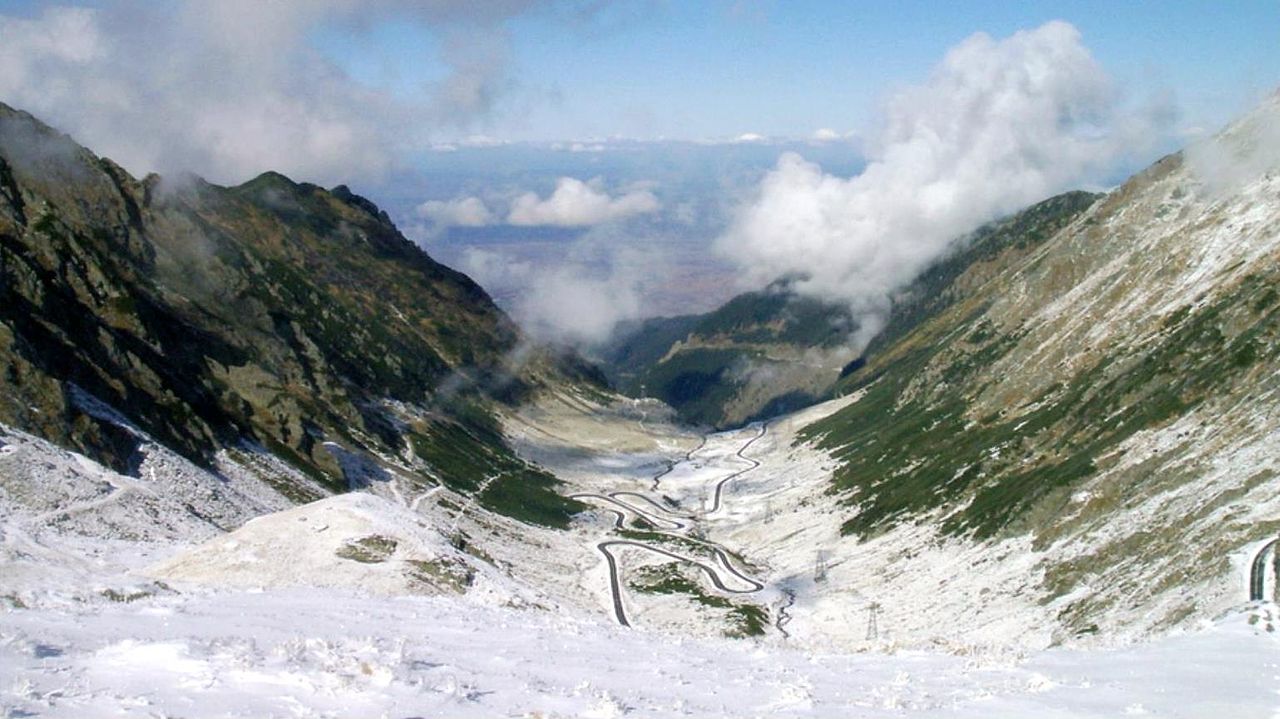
<point x="221" y="400"/>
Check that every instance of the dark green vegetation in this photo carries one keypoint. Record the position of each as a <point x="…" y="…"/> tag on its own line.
<point x="909" y="445"/>
<point x="275" y="314"/>
<point x="778" y="314"/>
<point x="745" y="620"/>
<point x="697" y="382"/>
<point x="736" y="363"/>
<point x="939" y="430"/>
<point x="638" y="344"/>
<point x="480" y="464"/>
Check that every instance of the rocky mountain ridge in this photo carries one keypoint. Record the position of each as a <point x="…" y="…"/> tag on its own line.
<point x="272" y="317"/>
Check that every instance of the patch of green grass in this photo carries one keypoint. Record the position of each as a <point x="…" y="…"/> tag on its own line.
<point x="471" y="456"/>
<point x="461" y="542"/>
<point x="751" y="620"/>
<point x="126" y="597"/>
<point x="373" y="549"/>
<point x="672" y="541"/>
<point x="642" y="524"/>
<point x="745" y="620"/>
<point x="453" y="576"/>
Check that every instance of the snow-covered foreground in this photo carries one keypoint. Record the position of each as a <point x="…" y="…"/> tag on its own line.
<point x="120" y="597"/>
<point x="328" y="653"/>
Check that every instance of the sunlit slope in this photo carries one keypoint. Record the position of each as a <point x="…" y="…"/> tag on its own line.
<point x="1113" y="393"/>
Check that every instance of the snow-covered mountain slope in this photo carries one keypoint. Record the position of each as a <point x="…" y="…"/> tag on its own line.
<point x="351" y="541"/>
<point x="1089" y="433"/>
<point x="64" y="514"/>
<point x="325" y="653"/>
<point x="74" y="531"/>
<point x="327" y="619"/>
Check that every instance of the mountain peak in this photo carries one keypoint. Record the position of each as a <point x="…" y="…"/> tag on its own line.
<point x="344" y="193"/>
<point x="270" y="179"/>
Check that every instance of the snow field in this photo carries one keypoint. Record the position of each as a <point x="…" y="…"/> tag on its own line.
<point x="332" y="653"/>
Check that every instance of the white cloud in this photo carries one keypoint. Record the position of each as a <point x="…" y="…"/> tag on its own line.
<point x="234" y="87"/>
<point x="565" y="306"/>
<point x="575" y="203"/>
<point x="493" y="270"/>
<point x="825" y="134"/>
<point x="1249" y="148"/>
<point x="458" y="212"/>
<point x="750" y="137"/>
<point x="482" y="141"/>
<point x="576" y="303"/>
<point x="999" y="124"/>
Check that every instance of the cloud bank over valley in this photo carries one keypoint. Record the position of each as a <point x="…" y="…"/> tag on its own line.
<point x="1000" y="124"/>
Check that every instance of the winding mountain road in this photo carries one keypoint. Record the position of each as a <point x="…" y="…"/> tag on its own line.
<point x="657" y="505"/>
<point x="784" y="613"/>
<point x="615" y="580"/>
<point x="715" y="505"/>
<point x="612" y="498"/>
<point x="688" y="457"/>
<point x="672" y="521"/>
<point x="1258" y="570"/>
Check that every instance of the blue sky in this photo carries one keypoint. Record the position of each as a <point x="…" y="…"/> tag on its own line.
<point x="390" y="96"/>
<point x="706" y="69"/>
<point x="715" y="69"/>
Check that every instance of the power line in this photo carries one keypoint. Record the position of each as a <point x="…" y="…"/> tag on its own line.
<point x="820" y="566"/>
<point x="873" y="627"/>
